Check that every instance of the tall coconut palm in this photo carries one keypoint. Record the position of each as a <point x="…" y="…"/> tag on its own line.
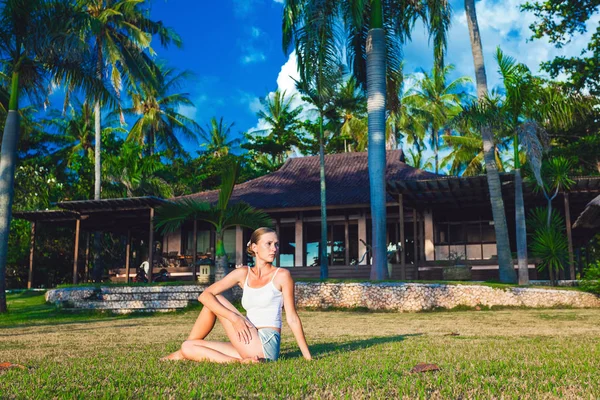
<point x="216" y="137"/>
<point x="221" y="216"/>
<point x="505" y="263"/>
<point x="439" y="101"/>
<point x="36" y="46"/>
<point x="466" y="155"/>
<point x="530" y="107"/>
<point x="376" y="28"/>
<point x="282" y="127"/>
<point x="120" y="33"/>
<point x="156" y="108"/>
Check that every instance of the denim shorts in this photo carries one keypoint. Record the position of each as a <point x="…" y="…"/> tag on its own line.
<point x="271" y="342"/>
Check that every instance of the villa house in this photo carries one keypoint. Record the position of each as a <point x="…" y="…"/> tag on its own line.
<point x="434" y="218"/>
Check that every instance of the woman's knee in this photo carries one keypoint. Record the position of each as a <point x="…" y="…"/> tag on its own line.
<point x="187" y="347"/>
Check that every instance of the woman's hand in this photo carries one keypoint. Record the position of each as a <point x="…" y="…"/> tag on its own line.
<point x="243" y="328"/>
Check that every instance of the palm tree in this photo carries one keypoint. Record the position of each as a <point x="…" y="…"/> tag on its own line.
<point x="130" y="173"/>
<point x="376" y="30"/>
<point x="466" y="156"/>
<point x="416" y="159"/>
<point x="222" y="216"/>
<point x="505" y="262"/>
<point x="36" y="45"/>
<point x="530" y="107"/>
<point x="439" y="101"/>
<point x="121" y="33"/>
<point x="282" y="129"/>
<point x="156" y="107"/>
<point x="216" y="137"/>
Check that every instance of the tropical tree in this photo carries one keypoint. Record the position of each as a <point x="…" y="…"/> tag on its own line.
<point x="36" y="45"/>
<point x="156" y="108"/>
<point x="505" y="262"/>
<point x="222" y="216"/>
<point x="282" y="128"/>
<point x="416" y="159"/>
<point x="439" y="101"/>
<point x="376" y="29"/>
<point x="216" y="137"/>
<point x="529" y="107"/>
<point x="120" y="33"/>
<point x="130" y="173"/>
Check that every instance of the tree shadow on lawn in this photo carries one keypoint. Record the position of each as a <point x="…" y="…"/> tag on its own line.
<point x="325" y="349"/>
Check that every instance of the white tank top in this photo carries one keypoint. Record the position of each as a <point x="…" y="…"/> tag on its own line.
<point x="263" y="305"/>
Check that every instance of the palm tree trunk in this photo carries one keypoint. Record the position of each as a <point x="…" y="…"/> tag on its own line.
<point x="221" y="264"/>
<point x="376" y="92"/>
<point x="97" y="271"/>
<point x="436" y="150"/>
<point x="521" y="229"/>
<point x="505" y="262"/>
<point x="8" y="164"/>
<point x="323" y="247"/>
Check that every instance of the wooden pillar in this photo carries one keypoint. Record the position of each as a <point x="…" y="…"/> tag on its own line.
<point x="76" y="251"/>
<point x="569" y="234"/>
<point x="31" y="251"/>
<point x="362" y="235"/>
<point x="151" y="245"/>
<point x="277" y="229"/>
<point x="402" y="238"/>
<point x="195" y="251"/>
<point x="428" y="227"/>
<point x="299" y="241"/>
<point x="127" y="252"/>
<point x="239" y="245"/>
<point x="346" y="240"/>
<point x="416" y="244"/>
<point x="87" y="256"/>
<point x="421" y="237"/>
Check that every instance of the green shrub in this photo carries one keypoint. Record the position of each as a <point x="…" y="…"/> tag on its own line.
<point x="591" y="278"/>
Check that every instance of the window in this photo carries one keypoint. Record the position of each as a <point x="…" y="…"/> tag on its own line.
<point x="474" y="239"/>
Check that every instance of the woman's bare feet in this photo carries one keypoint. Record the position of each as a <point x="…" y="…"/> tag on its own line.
<point x="173" y="356"/>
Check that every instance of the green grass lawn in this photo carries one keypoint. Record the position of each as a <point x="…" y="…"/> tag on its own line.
<point x="549" y="353"/>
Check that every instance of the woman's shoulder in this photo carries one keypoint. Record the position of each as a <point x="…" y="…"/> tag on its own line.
<point x="284" y="273"/>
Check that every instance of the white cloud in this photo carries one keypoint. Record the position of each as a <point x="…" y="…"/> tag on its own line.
<point x="502" y="24"/>
<point x="278" y="1"/>
<point x="285" y="82"/>
<point x="253" y="57"/>
<point x="188" y="111"/>
<point x="256" y="32"/>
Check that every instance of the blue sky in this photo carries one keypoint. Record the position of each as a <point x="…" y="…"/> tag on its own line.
<point x="233" y="47"/>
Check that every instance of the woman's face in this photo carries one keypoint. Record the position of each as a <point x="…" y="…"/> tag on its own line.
<point x="267" y="247"/>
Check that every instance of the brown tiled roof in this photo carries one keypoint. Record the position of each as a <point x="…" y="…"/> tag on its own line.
<point x="296" y="183"/>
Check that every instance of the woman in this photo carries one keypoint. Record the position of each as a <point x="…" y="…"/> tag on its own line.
<point x="256" y="337"/>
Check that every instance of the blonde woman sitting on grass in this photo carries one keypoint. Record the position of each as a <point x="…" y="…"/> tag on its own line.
<point x="256" y="336"/>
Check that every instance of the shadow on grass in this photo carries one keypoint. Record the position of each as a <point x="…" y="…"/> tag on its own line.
<point x="321" y="350"/>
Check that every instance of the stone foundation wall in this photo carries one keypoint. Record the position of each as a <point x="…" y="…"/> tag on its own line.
<point x="421" y="297"/>
<point x="383" y="296"/>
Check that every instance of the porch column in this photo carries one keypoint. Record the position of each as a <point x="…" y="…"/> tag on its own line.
<point x="416" y="246"/>
<point x="277" y="230"/>
<point x="239" y="245"/>
<point x="195" y="251"/>
<point x="151" y="245"/>
<point x="362" y="237"/>
<point x="346" y="240"/>
<point x="402" y="238"/>
<point x="299" y="240"/>
<point x="87" y="256"/>
<point x="31" y="251"/>
<point x="429" y="246"/>
<point x="127" y="251"/>
<point x="76" y="251"/>
<point x="420" y="227"/>
<point x="569" y="234"/>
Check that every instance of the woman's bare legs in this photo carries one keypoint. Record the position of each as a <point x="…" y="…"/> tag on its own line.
<point x="202" y="327"/>
<point x="198" y="350"/>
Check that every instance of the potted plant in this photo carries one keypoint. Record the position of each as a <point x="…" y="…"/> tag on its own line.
<point x="459" y="270"/>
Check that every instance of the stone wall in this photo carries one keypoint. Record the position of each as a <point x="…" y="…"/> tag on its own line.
<point x="382" y="296"/>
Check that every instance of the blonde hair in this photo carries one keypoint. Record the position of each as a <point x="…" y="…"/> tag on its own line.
<point x="255" y="237"/>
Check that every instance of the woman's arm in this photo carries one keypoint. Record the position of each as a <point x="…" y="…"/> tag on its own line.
<point x="209" y="299"/>
<point x="293" y="320"/>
